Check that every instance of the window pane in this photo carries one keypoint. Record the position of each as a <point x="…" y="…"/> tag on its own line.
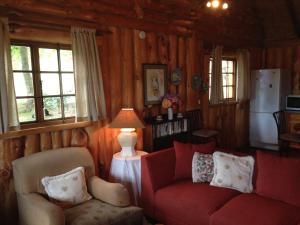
<point x="66" y="60"/>
<point x="52" y="108"/>
<point x="23" y="84"/>
<point x="227" y="79"/>
<point x="69" y="106"/>
<point x="225" y="92"/>
<point x="230" y="66"/>
<point x="68" y="83"/>
<point x="210" y="66"/>
<point x="224" y="66"/>
<point x="230" y="92"/>
<point x="21" y="57"/>
<point x="50" y="84"/>
<point x="48" y="59"/>
<point x="26" y="109"/>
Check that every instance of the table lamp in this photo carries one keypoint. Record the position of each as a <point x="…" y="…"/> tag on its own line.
<point x="127" y="120"/>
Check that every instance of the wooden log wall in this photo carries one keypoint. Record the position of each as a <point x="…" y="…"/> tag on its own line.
<point x="122" y="53"/>
<point x="286" y="56"/>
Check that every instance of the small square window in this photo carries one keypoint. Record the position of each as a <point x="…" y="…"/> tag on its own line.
<point x="228" y="78"/>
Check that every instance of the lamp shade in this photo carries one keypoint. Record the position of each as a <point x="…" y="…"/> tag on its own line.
<point x="126" y="118"/>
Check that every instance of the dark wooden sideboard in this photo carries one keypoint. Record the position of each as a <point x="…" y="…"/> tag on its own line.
<point x="293" y="125"/>
<point x="160" y="134"/>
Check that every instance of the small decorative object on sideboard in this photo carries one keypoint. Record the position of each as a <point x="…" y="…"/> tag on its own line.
<point x="159" y="118"/>
<point x="171" y="103"/>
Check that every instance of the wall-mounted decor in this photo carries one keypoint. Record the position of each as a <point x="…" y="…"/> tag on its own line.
<point x="155" y="83"/>
<point x="176" y="76"/>
<point x="196" y="82"/>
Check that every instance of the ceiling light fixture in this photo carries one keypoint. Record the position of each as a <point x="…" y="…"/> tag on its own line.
<point x="216" y="4"/>
<point x="225" y="5"/>
<point x="208" y="4"/>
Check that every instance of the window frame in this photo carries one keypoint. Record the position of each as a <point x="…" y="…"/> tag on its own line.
<point x="37" y="84"/>
<point x="234" y="81"/>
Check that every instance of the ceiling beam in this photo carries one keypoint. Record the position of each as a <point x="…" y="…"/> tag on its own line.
<point x="293" y="15"/>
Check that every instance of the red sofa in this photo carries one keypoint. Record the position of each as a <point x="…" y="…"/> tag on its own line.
<point x="276" y="200"/>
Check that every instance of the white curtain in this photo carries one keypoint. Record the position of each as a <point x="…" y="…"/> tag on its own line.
<point x="8" y="111"/>
<point x="216" y="94"/>
<point x="90" y="100"/>
<point x="243" y="75"/>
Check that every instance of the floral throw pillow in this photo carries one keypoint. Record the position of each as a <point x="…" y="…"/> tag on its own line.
<point x="233" y="172"/>
<point x="202" y="167"/>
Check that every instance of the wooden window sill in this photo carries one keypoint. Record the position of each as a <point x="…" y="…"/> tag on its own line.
<point x="224" y="103"/>
<point x="44" y="128"/>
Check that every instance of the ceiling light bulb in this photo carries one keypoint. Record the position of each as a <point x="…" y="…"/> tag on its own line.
<point x="215" y="3"/>
<point x="208" y="4"/>
<point x="225" y="5"/>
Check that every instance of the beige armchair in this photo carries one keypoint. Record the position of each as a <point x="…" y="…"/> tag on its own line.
<point x="110" y="203"/>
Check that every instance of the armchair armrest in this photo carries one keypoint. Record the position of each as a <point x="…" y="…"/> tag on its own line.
<point x="36" y="210"/>
<point x="113" y="193"/>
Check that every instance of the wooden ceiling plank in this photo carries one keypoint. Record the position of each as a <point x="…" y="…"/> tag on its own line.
<point x="293" y="15"/>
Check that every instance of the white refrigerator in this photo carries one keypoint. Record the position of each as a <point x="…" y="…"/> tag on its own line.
<point x="269" y="89"/>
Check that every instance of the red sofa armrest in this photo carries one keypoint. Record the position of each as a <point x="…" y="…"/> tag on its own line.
<point x="157" y="172"/>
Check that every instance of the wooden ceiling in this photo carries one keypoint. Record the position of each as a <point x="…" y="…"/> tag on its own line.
<point x="247" y="22"/>
<point x="280" y="19"/>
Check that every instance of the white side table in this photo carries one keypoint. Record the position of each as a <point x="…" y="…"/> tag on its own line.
<point x="127" y="170"/>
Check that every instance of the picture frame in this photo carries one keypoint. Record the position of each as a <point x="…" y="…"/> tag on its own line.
<point x="155" y="83"/>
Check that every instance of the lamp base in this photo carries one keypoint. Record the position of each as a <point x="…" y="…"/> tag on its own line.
<point x="127" y="140"/>
<point x="128" y="152"/>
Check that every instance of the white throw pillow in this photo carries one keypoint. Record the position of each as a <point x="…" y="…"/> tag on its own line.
<point x="69" y="187"/>
<point x="233" y="172"/>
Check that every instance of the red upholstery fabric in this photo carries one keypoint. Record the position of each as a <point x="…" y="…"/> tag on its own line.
<point x="252" y="209"/>
<point x="187" y="203"/>
<point x="184" y="157"/>
<point x="278" y="178"/>
<point x="157" y="171"/>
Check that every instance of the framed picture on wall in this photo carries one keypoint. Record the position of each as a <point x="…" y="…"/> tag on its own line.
<point x="155" y="83"/>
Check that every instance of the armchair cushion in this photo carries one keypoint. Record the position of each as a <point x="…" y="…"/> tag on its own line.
<point x="113" y="193"/>
<point x="96" y="212"/>
<point x="36" y="210"/>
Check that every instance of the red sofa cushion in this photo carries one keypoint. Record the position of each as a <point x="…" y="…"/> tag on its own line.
<point x="252" y="209"/>
<point x="278" y="177"/>
<point x="187" y="203"/>
<point x="184" y="157"/>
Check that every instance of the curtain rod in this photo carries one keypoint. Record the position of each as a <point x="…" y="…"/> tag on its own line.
<point x="14" y="26"/>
